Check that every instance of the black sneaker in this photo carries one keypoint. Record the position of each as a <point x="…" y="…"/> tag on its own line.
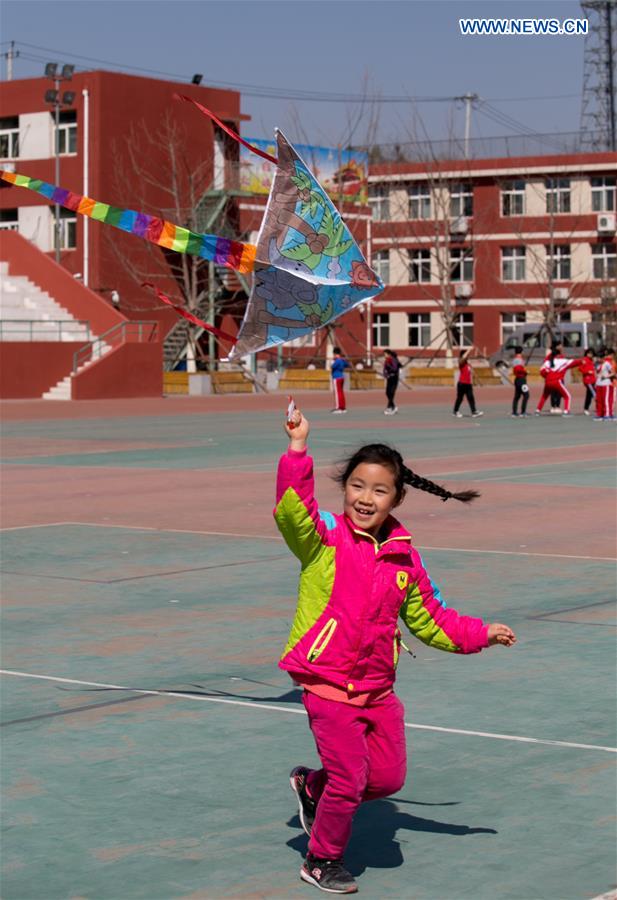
<point x="328" y="875"/>
<point x="306" y="806"/>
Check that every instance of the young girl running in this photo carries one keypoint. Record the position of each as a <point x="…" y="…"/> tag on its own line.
<point x="360" y="572"/>
<point x="605" y="387"/>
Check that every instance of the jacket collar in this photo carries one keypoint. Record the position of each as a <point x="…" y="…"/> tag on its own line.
<point x="398" y="539"/>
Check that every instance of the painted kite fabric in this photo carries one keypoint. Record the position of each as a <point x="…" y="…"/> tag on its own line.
<point x="307" y="268"/>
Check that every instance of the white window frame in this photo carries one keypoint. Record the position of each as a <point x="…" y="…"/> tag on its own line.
<point x="381" y="329"/>
<point x="418" y="261"/>
<point x="419" y="196"/>
<point x="513" y="264"/>
<point x="604" y="193"/>
<point x="509" y="323"/>
<point x="513" y="198"/>
<point x="12" y="136"/>
<point x="418" y="330"/>
<point x="68" y="229"/>
<point x="604" y="262"/>
<point x="558" y="196"/>
<point x="379" y="202"/>
<point x="461" y="200"/>
<point x="465" y="324"/>
<point x="461" y="264"/>
<point x="64" y="133"/>
<point x="381" y="265"/>
<point x="559" y="262"/>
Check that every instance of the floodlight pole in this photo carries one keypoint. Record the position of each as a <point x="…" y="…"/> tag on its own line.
<point x="57" y="167"/>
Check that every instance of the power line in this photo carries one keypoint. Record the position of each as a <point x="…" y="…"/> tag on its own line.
<point x="267" y="92"/>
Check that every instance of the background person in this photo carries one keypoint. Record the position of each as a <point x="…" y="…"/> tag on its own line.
<point x="464" y="386"/>
<point x="337" y="371"/>
<point x="391" y="372"/>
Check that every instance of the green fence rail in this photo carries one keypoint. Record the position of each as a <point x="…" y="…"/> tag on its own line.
<point x="49" y="329"/>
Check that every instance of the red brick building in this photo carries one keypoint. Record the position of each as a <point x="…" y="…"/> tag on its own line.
<point x="125" y="141"/>
<point x="496" y="242"/>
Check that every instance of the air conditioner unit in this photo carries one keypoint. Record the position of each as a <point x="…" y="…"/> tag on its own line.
<point x="461" y="225"/>
<point x="464" y="291"/>
<point x="561" y="294"/>
<point x="606" y="223"/>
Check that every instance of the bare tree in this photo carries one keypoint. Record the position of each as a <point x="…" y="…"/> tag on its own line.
<point x="156" y="170"/>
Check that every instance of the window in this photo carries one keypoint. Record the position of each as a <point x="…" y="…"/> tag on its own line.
<point x="558" y="195"/>
<point x="513" y="198"/>
<point x="418" y="329"/>
<point x="9" y="220"/>
<point x="381" y="265"/>
<point x="67" y="132"/>
<point x="461" y="200"/>
<point x="461" y="264"/>
<point x="462" y="330"/>
<point x="603" y="194"/>
<point x="68" y="229"/>
<point x="604" y="258"/>
<point x="379" y="201"/>
<point x="419" y="201"/>
<point x="558" y="261"/>
<point x="9" y="137"/>
<point x="420" y="266"/>
<point x="513" y="264"/>
<point x="381" y="329"/>
<point x="509" y="323"/>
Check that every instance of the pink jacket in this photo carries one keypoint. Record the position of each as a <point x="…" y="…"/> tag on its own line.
<point x="352" y="591"/>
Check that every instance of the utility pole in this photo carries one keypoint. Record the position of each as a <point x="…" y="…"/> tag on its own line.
<point x="53" y="97"/>
<point x="10" y="55"/>
<point x="468" y="100"/>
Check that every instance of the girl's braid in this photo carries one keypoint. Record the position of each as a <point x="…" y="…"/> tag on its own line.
<point x="423" y="484"/>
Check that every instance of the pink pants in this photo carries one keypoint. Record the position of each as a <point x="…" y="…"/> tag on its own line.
<point x="605" y="401"/>
<point x="338" y="385"/>
<point x="363" y="754"/>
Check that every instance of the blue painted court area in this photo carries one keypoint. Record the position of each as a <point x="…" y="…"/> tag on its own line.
<point x="181" y="791"/>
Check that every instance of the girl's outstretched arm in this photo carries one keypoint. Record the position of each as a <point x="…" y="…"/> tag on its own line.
<point x="296" y="511"/>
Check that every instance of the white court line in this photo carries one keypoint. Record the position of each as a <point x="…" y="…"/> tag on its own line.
<point x="301" y="712"/>
<point x="42" y="525"/>
<point x="268" y="537"/>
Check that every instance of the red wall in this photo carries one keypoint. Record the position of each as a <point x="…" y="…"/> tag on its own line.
<point x="132" y="370"/>
<point x="29" y="369"/>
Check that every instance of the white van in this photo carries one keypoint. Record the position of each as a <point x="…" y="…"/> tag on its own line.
<point x="536" y="341"/>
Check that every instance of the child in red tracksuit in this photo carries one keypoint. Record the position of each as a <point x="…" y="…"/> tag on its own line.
<point x="360" y="572"/>
<point x="521" y="389"/>
<point x="606" y="386"/>
<point x="553" y="370"/>
<point x="588" y="371"/>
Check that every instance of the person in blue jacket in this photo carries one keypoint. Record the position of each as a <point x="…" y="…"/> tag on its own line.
<point x="337" y="370"/>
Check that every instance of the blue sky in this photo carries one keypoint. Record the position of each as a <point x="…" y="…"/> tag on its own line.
<point x="403" y="48"/>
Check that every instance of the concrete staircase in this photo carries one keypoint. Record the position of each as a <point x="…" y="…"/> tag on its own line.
<point x="62" y="390"/>
<point x="28" y="313"/>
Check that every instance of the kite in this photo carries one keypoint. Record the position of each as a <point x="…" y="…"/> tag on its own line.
<point x="306" y="268"/>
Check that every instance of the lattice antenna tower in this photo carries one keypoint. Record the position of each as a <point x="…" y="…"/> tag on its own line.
<point x="598" y="111"/>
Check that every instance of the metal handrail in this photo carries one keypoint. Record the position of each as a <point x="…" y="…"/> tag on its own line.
<point x="147" y="331"/>
<point x="63" y="326"/>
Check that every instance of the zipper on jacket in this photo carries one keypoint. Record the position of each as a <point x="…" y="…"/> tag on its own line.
<point x="322" y="640"/>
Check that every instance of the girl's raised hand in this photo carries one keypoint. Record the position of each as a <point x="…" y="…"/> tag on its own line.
<point x="500" y="634"/>
<point x="297" y="428"/>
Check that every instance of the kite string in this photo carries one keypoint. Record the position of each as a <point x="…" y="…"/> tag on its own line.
<point x="207" y="112"/>
<point x="222" y="335"/>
